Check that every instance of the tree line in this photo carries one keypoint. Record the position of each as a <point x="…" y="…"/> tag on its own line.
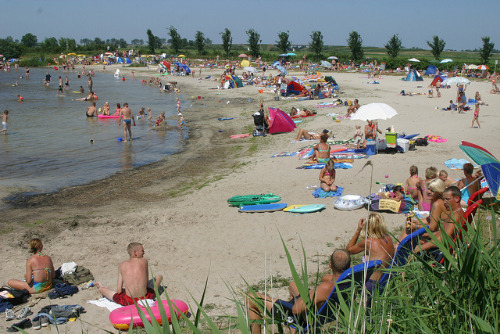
<point x="11" y="48"/>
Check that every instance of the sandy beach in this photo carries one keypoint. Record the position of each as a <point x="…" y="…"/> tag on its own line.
<point x="177" y="207"/>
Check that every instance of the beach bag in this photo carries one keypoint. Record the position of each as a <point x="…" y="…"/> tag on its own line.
<point x="79" y="276"/>
<point x="13" y="296"/>
<point x="421" y="142"/>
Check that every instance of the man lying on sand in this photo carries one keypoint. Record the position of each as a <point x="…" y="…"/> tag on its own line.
<point x="340" y="261"/>
<point x="132" y="279"/>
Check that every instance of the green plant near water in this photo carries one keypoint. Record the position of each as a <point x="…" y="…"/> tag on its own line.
<point x="460" y="296"/>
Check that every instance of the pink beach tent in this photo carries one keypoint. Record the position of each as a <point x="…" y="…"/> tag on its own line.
<point x="280" y="121"/>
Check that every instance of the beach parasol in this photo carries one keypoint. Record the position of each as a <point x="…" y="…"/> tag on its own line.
<point x="181" y="56"/>
<point x="483" y="67"/>
<point x="448" y="60"/>
<point x="414" y="60"/>
<point x="373" y="111"/>
<point x="281" y="69"/>
<point x="81" y="56"/>
<point x="250" y="69"/>
<point x="489" y="164"/>
<point x="245" y="63"/>
<point x="71" y="54"/>
<point x="108" y="53"/>
<point x="326" y="64"/>
<point x="333" y="57"/>
<point x="291" y="54"/>
<point x="242" y="55"/>
<point x="455" y="81"/>
<point x="472" y="67"/>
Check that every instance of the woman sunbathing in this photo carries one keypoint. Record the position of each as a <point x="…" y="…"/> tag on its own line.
<point x="39" y="271"/>
<point x="327" y="176"/>
<point x="303" y="134"/>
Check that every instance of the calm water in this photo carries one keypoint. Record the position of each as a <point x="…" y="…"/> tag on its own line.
<point x="48" y="145"/>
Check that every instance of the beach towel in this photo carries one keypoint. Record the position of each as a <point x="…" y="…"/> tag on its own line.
<point x="380" y="204"/>
<point x="320" y="193"/>
<point x="436" y="139"/>
<point x="111" y="305"/>
<point x="340" y="165"/>
<point x="284" y="154"/>
<point x="455" y="163"/>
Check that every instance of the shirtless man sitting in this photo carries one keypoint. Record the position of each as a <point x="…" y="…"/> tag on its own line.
<point x="92" y="111"/>
<point x="451" y="197"/>
<point x="340" y="261"/>
<point x="132" y="279"/>
<point x="352" y="109"/>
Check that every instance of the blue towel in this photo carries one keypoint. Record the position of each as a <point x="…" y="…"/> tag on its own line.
<point x="320" y="193"/>
<point x="455" y="163"/>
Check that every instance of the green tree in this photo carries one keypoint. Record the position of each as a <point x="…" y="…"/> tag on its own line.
<point x="199" y="40"/>
<point x="316" y="44"/>
<point x="393" y="46"/>
<point x="437" y="46"/>
<point x="63" y="44"/>
<point x="70" y="44"/>
<point x="151" y="41"/>
<point x="283" y="43"/>
<point x="122" y="43"/>
<point x="50" y="45"/>
<point x="9" y="48"/>
<point x="254" y="42"/>
<point x="29" y="40"/>
<point x="227" y="41"/>
<point x="137" y="41"/>
<point x="355" y="44"/>
<point x="86" y="42"/>
<point x="175" y="39"/>
<point x="486" y="50"/>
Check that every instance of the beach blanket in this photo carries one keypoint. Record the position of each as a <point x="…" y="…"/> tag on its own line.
<point x="340" y="165"/>
<point x="455" y="163"/>
<point x="353" y="156"/>
<point x="284" y="154"/>
<point x="436" y="139"/>
<point x="320" y="193"/>
<point x="381" y="204"/>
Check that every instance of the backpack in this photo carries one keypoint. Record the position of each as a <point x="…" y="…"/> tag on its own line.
<point x="421" y="142"/>
<point x="79" y="276"/>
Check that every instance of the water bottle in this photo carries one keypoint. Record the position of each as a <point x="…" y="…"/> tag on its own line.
<point x="311" y="187"/>
<point x="88" y="285"/>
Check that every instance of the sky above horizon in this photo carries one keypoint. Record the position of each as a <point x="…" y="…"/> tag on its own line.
<point x="460" y="23"/>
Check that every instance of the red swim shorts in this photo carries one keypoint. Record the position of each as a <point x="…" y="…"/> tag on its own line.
<point x="123" y="299"/>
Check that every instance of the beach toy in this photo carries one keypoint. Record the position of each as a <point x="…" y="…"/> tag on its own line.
<point x="253" y="199"/>
<point x="386" y="176"/>
<point x="199" y="97"/>
<point x="349" y="202"/>
<point x="123" y="316"/>
<point x="120" y="139"/>
<point x="263" y="207"/>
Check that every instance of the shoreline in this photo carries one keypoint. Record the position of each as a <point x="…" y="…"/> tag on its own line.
<point x="177" y="207"/>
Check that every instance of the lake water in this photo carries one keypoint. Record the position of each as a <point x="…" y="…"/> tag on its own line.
<point x="48" y="146"/>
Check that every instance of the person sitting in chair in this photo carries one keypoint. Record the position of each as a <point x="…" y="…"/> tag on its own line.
<point x="340" y="261"/>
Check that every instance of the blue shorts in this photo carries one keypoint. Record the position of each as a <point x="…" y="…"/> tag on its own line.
<point x="127" y="121"/>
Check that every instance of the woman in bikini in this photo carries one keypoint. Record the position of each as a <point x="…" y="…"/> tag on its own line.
<point x="118" y="109"/>
<point x="327" y="177"/>
<point x="105" y="108"/>
<point x="424" y="202"/>
<point x="469" y="184"/>
<point x="321" y="151"/>
<point x="39" y="271"/>
<point x="371" y="130"/>
<point x="411" y="183"/>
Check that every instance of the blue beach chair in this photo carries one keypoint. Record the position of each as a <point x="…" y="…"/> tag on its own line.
<point x="327" y="312"/>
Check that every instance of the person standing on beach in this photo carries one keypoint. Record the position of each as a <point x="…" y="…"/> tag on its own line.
<point x="5" y="117"/>
<point x="476" y="116"/>
<point x="127" y="116"/>
<point x="133" y="275"/>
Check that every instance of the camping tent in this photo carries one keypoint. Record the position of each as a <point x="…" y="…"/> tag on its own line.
<point x="294" y="88"/>
<point x="119" y="60"/>
<point x="128" y="61"/>
<point x="437" y="78"/>
<point x="414" y="76"/>
<point x="184" y="67"/>
<point x="166" y="64"/>
<point x="431" y="70"/>
<point x="280" y="121"/>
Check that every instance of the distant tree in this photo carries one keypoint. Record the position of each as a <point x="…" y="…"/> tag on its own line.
<point x="199" y="40"/>
<point x="283" y="44"/>
<point x="29" y="40"/>
<point x="437" y="46"/>
<point x="355" y="44"/>
<point x="86" y="42"/>
<point x="227" y="41"/>
<point x="159" y="42"/>
<point x="70" y="44"/>
<point x="175" y="39"/>
<point x="151" y="41"/>
<point x="122" y="43"/>
<point x="63" y="44"/>
<point x="393" y="46"/>
<point x="208" y="41"/>
<point x="99" y="43"/>
<point x="486" y="50"/>
<point x="254" y="42"/>
<point x="50" y="45"/>
<point x="137" y="41"/>
<point x="316" y="44"/>
<point x="9" y="48"/>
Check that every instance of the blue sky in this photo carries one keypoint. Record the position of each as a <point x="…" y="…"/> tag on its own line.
<point x="460" y="23"/>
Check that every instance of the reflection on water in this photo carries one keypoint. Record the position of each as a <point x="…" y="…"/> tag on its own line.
<point x="52" y="144"/>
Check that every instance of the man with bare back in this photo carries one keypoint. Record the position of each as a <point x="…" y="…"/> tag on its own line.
<point x="128" y="118"/>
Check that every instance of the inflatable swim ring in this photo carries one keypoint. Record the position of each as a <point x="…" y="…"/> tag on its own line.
<point x="108" y="116"/>
<point x="121" y="317"/>
<point x="349" y="202"/>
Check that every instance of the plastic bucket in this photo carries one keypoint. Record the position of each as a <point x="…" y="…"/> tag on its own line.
<point x="370" y="147"/>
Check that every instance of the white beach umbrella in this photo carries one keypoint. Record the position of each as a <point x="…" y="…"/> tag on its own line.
<point x="373" y="111"/>
<point x="250" y="69"/>
<point x="448" y="60"/>
<point x="455" y="81"/>
<point x="414" y="60"/>
<point x="333" y="57"/>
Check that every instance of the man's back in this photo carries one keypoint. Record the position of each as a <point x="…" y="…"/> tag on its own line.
<point x="134" y="273"/>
